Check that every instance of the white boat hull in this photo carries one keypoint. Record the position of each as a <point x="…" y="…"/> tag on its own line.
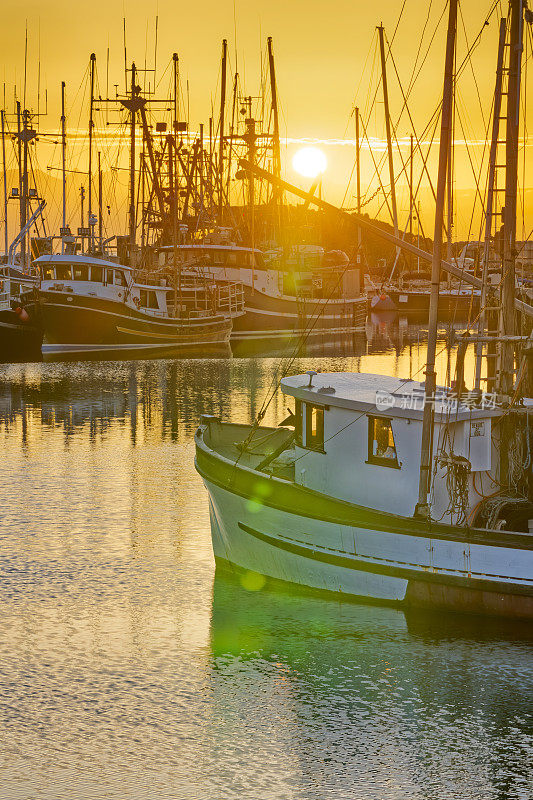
<point x="373" y="564"/>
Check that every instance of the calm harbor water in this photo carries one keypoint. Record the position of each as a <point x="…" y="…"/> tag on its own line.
<point x="130" y="670"/>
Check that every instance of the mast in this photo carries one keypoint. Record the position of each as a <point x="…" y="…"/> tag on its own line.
<point x="175" y="65"/>
<point x="132" y="221"/>
<point x="4" y="164"/>
<point x="358" y="177"/>
<point x="388" y="130"/>
<point x="221" y="130"/>
<point x="276" y="148"/>
<point x="422" y="507"/>
<point x="100" y="203"/>
<point x="24" y="202"/>
<point x="411" y="158"/>
<point x="63" y="156"/>
<point x="490" y="198"/>
<point x="507" y="317"/>
<point x="91" y="125"/>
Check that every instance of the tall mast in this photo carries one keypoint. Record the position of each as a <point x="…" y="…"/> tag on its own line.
<point x="422" y="508"/>
<point x="132" y="222"/>
<point x="507" y="319"/>
<point x="91" y="125"/>
<point x="221" y="130"/>
<point x="100" y="203"/>
<point x="490" y="198"/>
<point x="388" y="130"/>
<point x="175" y="64"/>
<point x="63" y="155"/>
<point x="276" y="148"/>
<point x="358" y="176"/>
<point x="4" y="164"/>
<point x="19" y="155"/>
<point x="25" y="136"/>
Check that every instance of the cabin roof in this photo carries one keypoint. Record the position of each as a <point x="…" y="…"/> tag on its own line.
<point x="60" y="258"/>
<point x="210" y="246"/>
<point x="380" y="394"/>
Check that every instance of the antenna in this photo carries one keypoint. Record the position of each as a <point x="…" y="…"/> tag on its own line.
<point x="39" y="73"/>
<point x="25" y="63"/>
<point x="125" y="57"/>
<point x="155" y="50"/>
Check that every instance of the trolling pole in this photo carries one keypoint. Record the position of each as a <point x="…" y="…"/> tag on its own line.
<point x="422" y="507"/>
<point x="4" y="164"/>
<point x="221" y="130"/>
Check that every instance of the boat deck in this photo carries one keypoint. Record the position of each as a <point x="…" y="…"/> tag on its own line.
<point x="265" y="449"/>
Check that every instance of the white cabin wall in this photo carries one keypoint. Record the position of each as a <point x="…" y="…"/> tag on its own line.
<point x="342" y="470"/>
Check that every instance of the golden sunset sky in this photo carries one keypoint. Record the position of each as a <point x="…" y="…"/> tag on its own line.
<point x="326" y="60"/>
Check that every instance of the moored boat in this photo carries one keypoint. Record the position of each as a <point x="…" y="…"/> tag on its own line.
<point x="21" y="331"/>
<point x="282" y="298"/>
<point x="331" y="504"/>
<point x="87" y="301"/>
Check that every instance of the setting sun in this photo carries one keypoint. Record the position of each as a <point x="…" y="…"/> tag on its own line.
<point x="309" y="162"/>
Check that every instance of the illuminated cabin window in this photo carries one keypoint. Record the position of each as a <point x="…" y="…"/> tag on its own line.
<point x="47" y="273"/>
<point x="63" y="273"/>
<point x="314" y="427"/>
<point x="381" y="446"/>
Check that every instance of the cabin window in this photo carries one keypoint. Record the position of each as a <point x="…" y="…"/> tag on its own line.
<point x="314" y="427"/>
<point x="119" y="278"/>
<point x="47" y="273"/>
<point x="97" y="274"/>
<point x="63" y="273"/>
<point x="232" y="259"/>
<point x="218" y="257"/>
<point x="80" y="272"/>
<point x="381" y="446"/>
<point x="148" y="299"/>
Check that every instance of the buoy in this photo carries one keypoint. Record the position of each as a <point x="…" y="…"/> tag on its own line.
<point x="22" y="314"/>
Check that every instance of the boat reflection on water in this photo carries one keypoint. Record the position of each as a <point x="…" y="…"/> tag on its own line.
<point x="53" y="353"/>
<point x="369" y="699"/>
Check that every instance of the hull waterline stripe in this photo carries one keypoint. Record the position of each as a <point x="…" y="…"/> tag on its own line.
<point x="359" y="565"/>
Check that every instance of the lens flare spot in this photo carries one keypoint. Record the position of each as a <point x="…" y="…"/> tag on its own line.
<point x="252" y="581"/>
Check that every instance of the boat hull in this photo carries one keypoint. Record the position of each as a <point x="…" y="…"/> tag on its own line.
<point x="19" y="341"/>
<point x="70" y="319"/>
<point x="267" y="316"/>
<point x="451" y="303"/>
<point x="330" y="545"/>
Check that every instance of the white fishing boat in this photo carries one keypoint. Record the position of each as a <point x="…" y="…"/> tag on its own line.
<point x="331" y="504"/>
<point x="395" y="490"/>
